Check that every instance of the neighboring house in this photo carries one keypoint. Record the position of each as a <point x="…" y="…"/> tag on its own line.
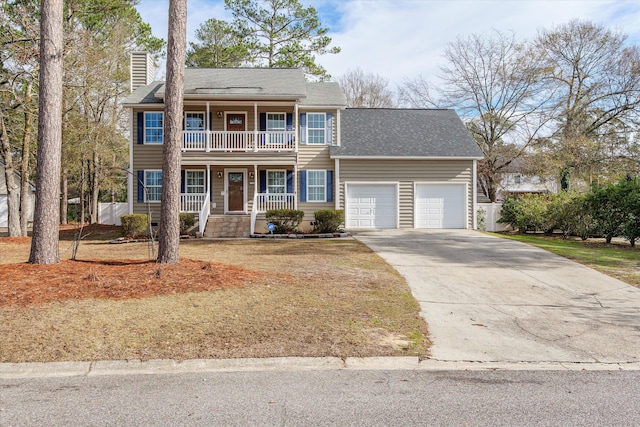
<point x="4" y="212"/>
<point x="258" y="139"/>
<point x="516" y="180"/>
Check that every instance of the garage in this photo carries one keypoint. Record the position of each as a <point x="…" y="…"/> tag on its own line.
<point x="440" y="205"/>
<point x="371" y="205"/>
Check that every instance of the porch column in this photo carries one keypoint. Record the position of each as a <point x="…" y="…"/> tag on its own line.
<point x="295" y="186"/>
<point x="255" y="126"/>
<point x="208" y="128"/>
<point x="295" y="127"/>
<point x="209" y="185"/>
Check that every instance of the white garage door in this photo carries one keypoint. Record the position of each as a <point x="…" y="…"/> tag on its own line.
<point x="441" y="206"/>
<point x="371" y="206"/>
<point x="3" y="211"/>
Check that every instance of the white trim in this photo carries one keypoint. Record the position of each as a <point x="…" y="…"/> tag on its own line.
<point x="324" y="200"/>
<point x="396" y="184"/>
<point x="324" y="121"/>
<point x="466" y="198"/>
<point x="244" y="113"/>
<point x="404" y="157"/>
<point x="474" y="177"/>
<point x="240" y="162"/>
<point x="132" y="140"/>
<point x="336" y="179"/>
<point x="226" y="189"/>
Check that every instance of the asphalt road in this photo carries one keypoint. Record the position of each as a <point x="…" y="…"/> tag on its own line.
<point x="492" y="299"/>
<point x="323" y="398"/>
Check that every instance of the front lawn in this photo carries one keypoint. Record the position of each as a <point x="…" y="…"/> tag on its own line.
<point x="226" y="299"/>
<point x="616" y="260"/>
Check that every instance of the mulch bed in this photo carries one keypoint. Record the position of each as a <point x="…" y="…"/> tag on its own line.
<point x="26" y="284"/>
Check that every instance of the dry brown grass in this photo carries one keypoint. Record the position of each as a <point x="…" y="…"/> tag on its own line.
<point x="298" y="298"/>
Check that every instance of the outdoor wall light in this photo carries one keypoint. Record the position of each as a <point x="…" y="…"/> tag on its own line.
<point x="251" y="175"/>
<point x="219" y="114"/>
<point x="219" y="175"/>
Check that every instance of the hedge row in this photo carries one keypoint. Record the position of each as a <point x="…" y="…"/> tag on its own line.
<point x="611" y="210"/>
<point x="287" y="220"/>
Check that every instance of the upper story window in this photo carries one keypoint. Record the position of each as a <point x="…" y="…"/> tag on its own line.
<point x="153" y="185"/>
<point x="194" y="121"/>
<point x="316" y="128"/>
<point x="153" y="128"/>
<point x="276" y="122"/>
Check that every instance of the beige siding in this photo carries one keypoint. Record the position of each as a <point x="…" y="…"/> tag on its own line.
<point x="142" y="69"/>
<point x="406" y="173"/>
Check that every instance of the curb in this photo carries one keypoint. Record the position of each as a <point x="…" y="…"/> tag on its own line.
<point x="282" y="364"/>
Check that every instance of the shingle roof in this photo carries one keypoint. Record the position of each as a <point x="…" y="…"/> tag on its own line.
<point x="387" y="132"/>
<point x="246" y="83"/>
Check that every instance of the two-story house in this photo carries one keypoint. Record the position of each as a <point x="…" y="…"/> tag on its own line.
<point x="256" y="139"/>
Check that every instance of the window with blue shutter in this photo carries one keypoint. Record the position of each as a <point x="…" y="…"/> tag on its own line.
<point x="303" y="128"/>
<point x="329" y="186"/>
<point x="263" y="181"/>
<point x="140" y="128"/>
<point x="303" y="186"/>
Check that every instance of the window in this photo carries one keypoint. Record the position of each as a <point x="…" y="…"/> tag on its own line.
<point x="276" y="122"/>
<point x="194" y="121"/>
<point x="316" y="123"/>
<point x="276" y="182"/>
<point x="194" y="182"/>
<point x="153" y="185"/>
<point x="153" y="128"/>
<point x="316" y="186"/>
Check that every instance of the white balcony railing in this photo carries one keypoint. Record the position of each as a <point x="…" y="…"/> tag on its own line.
<point x="192" y="202"/>
<point x="266" y="202"/>
<point x="238" y="141"/>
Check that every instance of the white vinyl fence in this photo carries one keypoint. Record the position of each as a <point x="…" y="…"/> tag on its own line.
<point x="491" y="216"/>
<point x="109" y="213"/>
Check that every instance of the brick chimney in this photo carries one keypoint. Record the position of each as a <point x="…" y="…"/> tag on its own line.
<point x="142" y="69"/>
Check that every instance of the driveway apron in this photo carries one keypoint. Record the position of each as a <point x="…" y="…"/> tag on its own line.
<point x="491" y="299"/>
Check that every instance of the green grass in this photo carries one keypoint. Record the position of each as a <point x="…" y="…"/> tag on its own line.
<point x="616" y="260"/>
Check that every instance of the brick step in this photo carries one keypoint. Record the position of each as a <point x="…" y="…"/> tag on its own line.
<point x="228" y="226"/>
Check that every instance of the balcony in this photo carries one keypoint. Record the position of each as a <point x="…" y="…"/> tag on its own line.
<point x="223" y="141"/>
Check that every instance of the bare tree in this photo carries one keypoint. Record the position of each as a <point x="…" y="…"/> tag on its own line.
<point x="169" y="234"/>
<point x="597" y="79"/>
<point x="13" y="190"/>
<point x="366" y="90"/>
<point x="495" y="84"/>
<point x="44" y="244"/>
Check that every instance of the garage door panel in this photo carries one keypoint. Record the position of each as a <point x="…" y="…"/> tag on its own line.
<point x="371" y="206"/>
<point x="440" y="206"/>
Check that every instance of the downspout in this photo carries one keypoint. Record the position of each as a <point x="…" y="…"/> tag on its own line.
<point x="255" y="127"/>
<point x="336" y="174"/>
<point x="474" y="195"/>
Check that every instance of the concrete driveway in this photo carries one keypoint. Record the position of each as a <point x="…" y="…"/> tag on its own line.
<point x="494" y="300"/>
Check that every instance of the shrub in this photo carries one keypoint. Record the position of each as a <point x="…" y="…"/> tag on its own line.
<point x="328" y="220"/>
<point x="134" y="225"/>
<point x="187" y="220"/>
<point x="285" y="220"/>
<point x="527" y="213"/>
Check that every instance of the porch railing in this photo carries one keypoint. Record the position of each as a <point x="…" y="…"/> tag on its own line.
<point x="266" y="202"/>
<point x="192" y="202"/>
<point x="203" y="215"/>
<point x="238" y="141"/>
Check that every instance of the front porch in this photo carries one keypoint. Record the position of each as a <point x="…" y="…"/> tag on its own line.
<point x="214" y="192"/>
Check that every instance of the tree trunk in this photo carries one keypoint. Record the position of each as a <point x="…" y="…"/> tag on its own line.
<point x="82" y="186"/>
<point x="169" y="234"/>
<point x="25" y="168"/>
<point x="95" y="188"/>
<point x="64" y="199"/>
<point x="13" y="191"/>
<point x="44" y="244"/>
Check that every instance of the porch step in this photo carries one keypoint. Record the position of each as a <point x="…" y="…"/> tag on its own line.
<point x="228" y="226"/>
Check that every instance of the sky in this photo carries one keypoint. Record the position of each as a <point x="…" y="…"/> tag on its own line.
<point x="403" y="39"/>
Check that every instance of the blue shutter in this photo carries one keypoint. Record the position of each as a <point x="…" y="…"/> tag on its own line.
<point x="210" y="121"/>
<point x="263" y="122"/>
<point x="183" y="179"/>
<point x="329" y="128"/>
<point x="303" y="128"/>
<point x="263" y="181"/>
<point x="289" y="182"/>
<point x="140" y="128"/>
<point x="289" y="121"/>
<point x="140" y="186"/>
<point x="329" y="186"/>
<point x="303" y="186"/>
<point x="211" y="186"/>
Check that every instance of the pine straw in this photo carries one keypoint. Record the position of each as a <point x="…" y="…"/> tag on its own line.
<point x="76" y="280"/>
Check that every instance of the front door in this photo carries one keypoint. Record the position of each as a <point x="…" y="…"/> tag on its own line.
<point x="235" y="191"/>
<point x="236" y="123"/>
